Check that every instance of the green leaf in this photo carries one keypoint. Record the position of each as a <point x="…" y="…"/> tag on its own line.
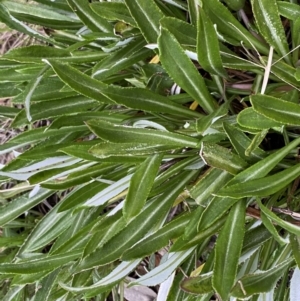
<point x="185" y="33"/>
<point x="198" y="285"/>
<point x="93" y="21"/>
<point x="270" y="26"/>
<point x="41" y="15"/>
<point x="140" y="186"/>
<point x="146" y="15"/>
<point x="268" y="224"/>
<point x="108" y="149"/>
<point x="121" y="59"/>
<point x="264" y="166"/>
<point x="285" y="225"/>
<point x="228" y="249"/>
<point x="54" y="108"/>
<point x="256" y="141"/>
<point x="276" y="109"/>
<point x="48" y="228"/>
<point x="164" y="270"/>
<point x="113" y="11"/>
<point x="262" y="187"/>
<point x="36" y="53"/>
<point x="288" y="10"/>
<point x="220" y="157"/>
<point x="235" y="4"/>
<point x="260" y="282"/>
<point x="15" y="24"/>
<point x="295" y="243"/>
<point x="208" y="49"/>
<point x="136" y="98"/>
<point x="158" y="239"/>
<point x="22" y="204"/>
<point x="126" y="134"/>
<point x="183" y="71"/>
<point x="120" y="272"/>
<point x="210" y="182"/>
<point x="137" y="228"/>
<point x="38" y="265"/>
<point x="229" y="26"/>
<point x="251" y="119"/>
<point x="241" y="142"/>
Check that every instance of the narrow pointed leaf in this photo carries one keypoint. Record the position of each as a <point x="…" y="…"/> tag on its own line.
<point x="220" y="157"/>
<point x="260" y="282"/>
<point x="89" y="17"/>
<point x="270" y="26"/>
<point x="140" y="186"/>
<point x="285" y="225"/>
<point x="122" y="134"/>
<point x="251" y="119"/>
<point x="135" y="98"/>
<point x="120" y="272"/>
<point x="208" y="49"/>
<point x="228" y="249"/>
<point x="262" y="187"/>
<point x="38" y="265"/>
<point x="276" y="109"/>
<point x="158" y="239"/>
<point x="20" y="205"/>
<point x="146" y="15"/>
<point x="137" y="228"/>
<point x="198" y="285"/>
<point x="163" y="271"/>
<point x="264" y="166"/>
<point x="183" y="71"/>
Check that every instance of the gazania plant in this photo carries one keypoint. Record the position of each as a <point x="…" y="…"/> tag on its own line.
<point x="157" y="148"/>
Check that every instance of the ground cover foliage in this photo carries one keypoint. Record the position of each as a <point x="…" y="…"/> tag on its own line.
<point x="170" y="156"/>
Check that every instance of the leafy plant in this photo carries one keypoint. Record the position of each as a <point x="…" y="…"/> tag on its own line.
<point x="172" y="150"/>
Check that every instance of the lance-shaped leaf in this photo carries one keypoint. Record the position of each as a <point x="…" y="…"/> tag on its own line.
<point x="41" y="15"/>
<point x="229" y="26"/>
<point x="22" y="204"/>
<point x="228" y="250"/>
<point x="113" y="11"/>
<point x="120" y="272"/>
<point x="276" y="109"/>
<point x="54" y="108"/>
<point x="37" y="265"/>
<point x="122" y="134"/>
<point x="108" y="149"/>
<point x="260" y="282"/>
<point x="15" y="24"/>
<point x="288" y="10"/>
<point x="135" y="98"/>
<point x="264" y="166"/>
<point x="235" y="4"/>
<point x="158" y="239"/>
<point x="185" y="33"/>
<point x="137" y="228"/>
<point x="262" y="187"/>
<point x="270" y="26"/>
<point x="140" y="186"/>
<point x="198" y="285"/>
<point x="182" y="70"/>
<point x="240" y="141"/>
<point x="89" y="17"/>
<point x="251" y="119"/>
<point x="163" y="271"/>
<point x="146" y="15"/>
<point x="210" y="182"/>
<point x="35" y="54"/>
<point x="295" y="243"/>
<point x="208" y="49"/>
<point x="285" y="225"/>
<point x="220" y="157"/>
